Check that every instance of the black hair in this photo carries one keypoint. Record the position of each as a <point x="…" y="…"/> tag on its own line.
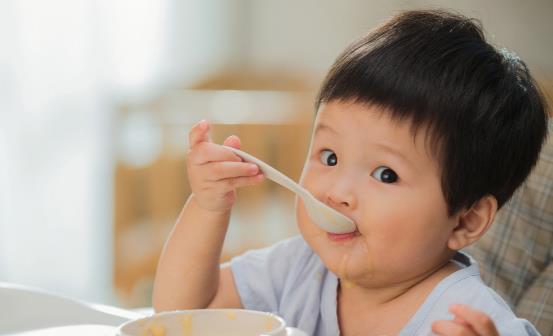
<point x="485" y="117"/>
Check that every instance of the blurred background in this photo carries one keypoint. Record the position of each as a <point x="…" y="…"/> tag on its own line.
<point x="97" y="97"/>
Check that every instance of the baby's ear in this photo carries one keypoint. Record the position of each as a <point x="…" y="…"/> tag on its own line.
<point x="473" y="223"/>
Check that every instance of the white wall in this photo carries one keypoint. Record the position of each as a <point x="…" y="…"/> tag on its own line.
<point x="309" y="34"/>
<point x="204" y="37"/>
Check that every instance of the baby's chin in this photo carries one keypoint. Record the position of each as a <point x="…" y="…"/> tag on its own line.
<point x="347" y="260"/>
<point x="352" y="273"/>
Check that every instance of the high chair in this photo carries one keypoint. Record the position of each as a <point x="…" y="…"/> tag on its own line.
<point x="516" y="254"/>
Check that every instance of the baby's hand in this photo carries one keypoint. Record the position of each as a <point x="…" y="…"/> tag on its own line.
<point x="467" y="322"/>
<point x="215" y="172"/>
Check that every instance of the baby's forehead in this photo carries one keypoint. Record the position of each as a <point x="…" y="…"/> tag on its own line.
<point x="342" y="114"/>
<point x="350" y="119"/>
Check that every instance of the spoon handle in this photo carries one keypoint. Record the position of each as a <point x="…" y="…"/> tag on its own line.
<point x="271" y="173"/>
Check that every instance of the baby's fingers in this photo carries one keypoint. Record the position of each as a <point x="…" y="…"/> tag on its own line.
<point x="243" y="181"/>
<point x="207" y="152"/>
<point x="198" y="133"/>
<point x="479" y="321"/>
<point x="468" y="321"/>
<point x="222" y="170"/>
<point x="232" y="141"/>
<point x="451" y="328"/>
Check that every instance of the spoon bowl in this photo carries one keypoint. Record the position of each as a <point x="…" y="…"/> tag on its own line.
<point x="321" y="214"/>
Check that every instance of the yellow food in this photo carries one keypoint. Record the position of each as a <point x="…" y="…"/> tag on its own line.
<point x="269" y="322"/>
<point x="187" y="325"/>
<point x="230" y="315"/>
<point x="155" y="330"/>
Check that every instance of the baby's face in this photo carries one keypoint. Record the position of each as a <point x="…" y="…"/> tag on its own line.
<point x="374" y="171"/>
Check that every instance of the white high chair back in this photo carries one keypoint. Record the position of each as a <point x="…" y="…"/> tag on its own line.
<point x="23" y="308"/>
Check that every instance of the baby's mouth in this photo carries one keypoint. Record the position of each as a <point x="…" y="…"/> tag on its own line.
<point x="339" y="237"/>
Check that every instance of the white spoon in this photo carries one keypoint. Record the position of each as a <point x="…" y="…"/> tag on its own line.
<point x="324" y="216"/>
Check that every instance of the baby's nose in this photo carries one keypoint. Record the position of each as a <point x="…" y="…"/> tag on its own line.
<point x="341" y="195"/>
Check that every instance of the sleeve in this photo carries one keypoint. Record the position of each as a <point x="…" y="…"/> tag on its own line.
<point x="517" y="327"/>
<point x="260" y="275"/>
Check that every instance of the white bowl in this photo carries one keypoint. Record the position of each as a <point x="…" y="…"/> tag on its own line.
<point x="209" y="322"/>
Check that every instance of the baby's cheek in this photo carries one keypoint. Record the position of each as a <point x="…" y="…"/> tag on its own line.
<point x="364" y="257"/>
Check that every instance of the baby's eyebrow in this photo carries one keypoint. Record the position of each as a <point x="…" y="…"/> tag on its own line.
<point x="395" y="152"/>
<point x="324" y="127"/>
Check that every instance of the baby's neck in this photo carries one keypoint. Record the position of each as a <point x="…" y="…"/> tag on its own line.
<point x="385" y="309"/>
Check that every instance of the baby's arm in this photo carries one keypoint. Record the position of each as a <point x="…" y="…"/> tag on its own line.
<point x="467" y="322"/>
<point x="188" y="274"/>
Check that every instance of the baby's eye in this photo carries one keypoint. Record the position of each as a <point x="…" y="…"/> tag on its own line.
<point x="385" y="174"/>
<point x="328" y="157"/>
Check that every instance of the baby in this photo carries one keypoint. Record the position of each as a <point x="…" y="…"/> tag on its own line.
<point x="423" y="131"/>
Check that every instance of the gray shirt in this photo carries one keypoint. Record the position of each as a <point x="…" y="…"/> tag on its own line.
<point x="290" y="280"/>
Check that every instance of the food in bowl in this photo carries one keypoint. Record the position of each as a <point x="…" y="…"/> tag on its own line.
<point x="207" y="322"/>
